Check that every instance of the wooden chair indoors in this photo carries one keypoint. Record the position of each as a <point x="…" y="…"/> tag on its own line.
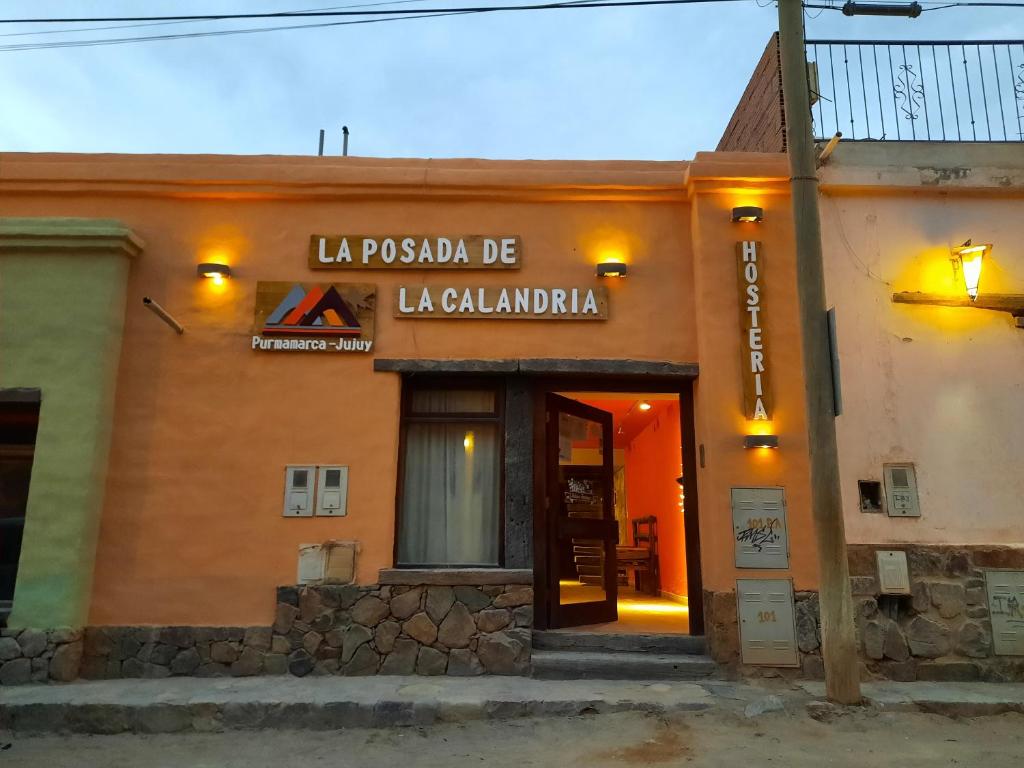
<point x="642" y="558"/>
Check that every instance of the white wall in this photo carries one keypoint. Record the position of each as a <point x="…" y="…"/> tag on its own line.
<point x="937" y="386"/>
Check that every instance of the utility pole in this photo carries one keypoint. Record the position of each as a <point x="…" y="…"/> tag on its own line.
<point x="838" y="643"/>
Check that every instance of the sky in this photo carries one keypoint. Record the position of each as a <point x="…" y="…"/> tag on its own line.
<point x="610" y="83"/>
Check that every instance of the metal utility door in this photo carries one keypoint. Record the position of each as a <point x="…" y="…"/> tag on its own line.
<point x="767" y="622"/>
<point x="759" y="528"/>
<point x="1006" y="606"/>
<point x="581" y="529"/>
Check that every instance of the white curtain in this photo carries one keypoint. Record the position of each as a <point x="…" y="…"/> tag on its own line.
<point x="450" y="487"/>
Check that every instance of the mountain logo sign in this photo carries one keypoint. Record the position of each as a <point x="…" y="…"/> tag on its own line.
<point x="318" y="317"/>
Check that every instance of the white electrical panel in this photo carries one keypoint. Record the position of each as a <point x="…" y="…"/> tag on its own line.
<point x="312" y="559"/>
<point x="893" y="575"/>
<point x="767" y="622"/>
<point x="332" y="491"/>
<point x="298" y="491"/>
<point x="901" y="490"/>
<point x="1006" y="607"/>
<point x="759" y="528"/>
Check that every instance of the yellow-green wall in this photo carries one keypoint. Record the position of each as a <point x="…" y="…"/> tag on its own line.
<point x="62" y="299"/>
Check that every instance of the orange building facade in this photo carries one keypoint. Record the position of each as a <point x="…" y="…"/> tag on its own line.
<point x="189" y="533"/>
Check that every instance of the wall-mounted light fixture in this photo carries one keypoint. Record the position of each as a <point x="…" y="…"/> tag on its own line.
<point x="748" y="213"/>
<point x="969" y="259"/>
<point x="214" y="270"/>
<point x="760" y="441"/>
<point x="612" y="269"/>
<point x="643" y="405"/>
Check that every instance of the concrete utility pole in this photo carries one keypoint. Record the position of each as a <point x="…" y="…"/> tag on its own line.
<point x="838" y="643"/>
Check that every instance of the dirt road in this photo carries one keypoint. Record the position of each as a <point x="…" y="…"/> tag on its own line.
<point x="720" y="739"/>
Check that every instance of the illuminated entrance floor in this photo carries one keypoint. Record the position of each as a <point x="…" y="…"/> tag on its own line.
<point x="638" y="613"/>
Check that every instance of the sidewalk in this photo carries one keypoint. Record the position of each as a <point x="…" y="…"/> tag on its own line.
<point x="286" y="703"/>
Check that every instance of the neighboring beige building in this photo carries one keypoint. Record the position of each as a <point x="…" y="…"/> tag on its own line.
<point x="938" y="387"/>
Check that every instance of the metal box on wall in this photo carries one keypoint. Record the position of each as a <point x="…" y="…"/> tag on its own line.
<point x="767" y="622"/>
<point x="760" y="534"/>
<point x="1006" y="607"/>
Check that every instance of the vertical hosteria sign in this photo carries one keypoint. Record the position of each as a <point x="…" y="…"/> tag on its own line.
<point x="757" y="403"/>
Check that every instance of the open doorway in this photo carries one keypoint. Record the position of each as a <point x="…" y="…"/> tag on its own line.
<point x="616" y="545"/>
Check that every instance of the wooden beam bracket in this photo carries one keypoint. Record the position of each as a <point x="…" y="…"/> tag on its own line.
<point x="1012" y="303"/>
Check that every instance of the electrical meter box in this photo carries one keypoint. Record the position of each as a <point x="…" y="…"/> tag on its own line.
<point x="759" y="528"/>
<point x="901" y="490"/>
<point x="893" y="574"/>
<point x="332" y="491"/>
<point x="311" y="564"/>
<point x="1006" y="606"/>
<point x="767" y="622"/>
<point x="298" y="491"/>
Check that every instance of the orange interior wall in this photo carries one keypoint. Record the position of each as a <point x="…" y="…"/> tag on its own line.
<point x="653" y="462"/>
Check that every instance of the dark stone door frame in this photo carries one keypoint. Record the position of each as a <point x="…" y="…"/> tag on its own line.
<point x="526" y="380"/>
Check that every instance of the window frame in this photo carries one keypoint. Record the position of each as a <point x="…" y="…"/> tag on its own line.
<point x="412" y="383"/>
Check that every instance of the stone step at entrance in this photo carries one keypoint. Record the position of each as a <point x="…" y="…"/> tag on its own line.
<point x="618" y="642"/>
<point x="620" y="665"/>
<point x="570" y="655"/>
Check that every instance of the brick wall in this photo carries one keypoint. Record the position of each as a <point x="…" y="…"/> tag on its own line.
<point x="759" y="122"/>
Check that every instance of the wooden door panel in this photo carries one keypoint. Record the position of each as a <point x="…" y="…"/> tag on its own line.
<point x="581" y="527"/>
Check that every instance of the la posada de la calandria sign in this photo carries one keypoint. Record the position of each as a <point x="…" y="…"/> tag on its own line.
<point x="339" y="317"/>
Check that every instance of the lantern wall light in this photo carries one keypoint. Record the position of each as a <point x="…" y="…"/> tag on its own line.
<point x="968" y="262"/>
<point x="969" y="259"/>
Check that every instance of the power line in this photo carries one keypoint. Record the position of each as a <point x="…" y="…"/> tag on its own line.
<point x="391" y="12"/>
<point x="407" y="15"/>
<point x="217" y="33"/>
<point x="173" y="23"/>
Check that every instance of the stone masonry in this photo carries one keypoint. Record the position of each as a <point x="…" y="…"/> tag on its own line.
<point x="38" y="655"/>
<point x="403" y="630"/>
<point x="320" y="630"/>
<point x="942" y="631"/>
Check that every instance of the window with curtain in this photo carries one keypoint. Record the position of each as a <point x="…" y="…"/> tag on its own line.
<point x="449" y="511"/>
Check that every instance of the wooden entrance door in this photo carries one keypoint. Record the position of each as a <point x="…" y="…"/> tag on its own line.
<point x="581" y="530"/>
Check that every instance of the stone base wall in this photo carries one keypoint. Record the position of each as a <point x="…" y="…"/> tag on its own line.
<point x="39" y="655"/>
<point x="406" y="629"/>
<point x="318" y="630"/>
<point x="942" y="631"/>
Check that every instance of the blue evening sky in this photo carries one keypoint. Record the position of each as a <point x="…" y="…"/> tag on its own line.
<point x="630" y="83"/>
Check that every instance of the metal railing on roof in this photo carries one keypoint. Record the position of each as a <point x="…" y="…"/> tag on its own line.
<point x="922" y="90"/>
